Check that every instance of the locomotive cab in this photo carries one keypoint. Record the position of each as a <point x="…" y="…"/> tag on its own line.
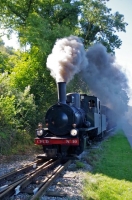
<point x="91" y="105"/>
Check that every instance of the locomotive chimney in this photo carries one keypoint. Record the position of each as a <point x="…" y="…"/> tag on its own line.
<point x="61" y="86"/>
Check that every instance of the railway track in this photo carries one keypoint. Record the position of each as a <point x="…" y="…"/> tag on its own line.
<point x="32" y="180"/>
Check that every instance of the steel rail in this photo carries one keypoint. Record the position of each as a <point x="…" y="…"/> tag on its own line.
<point x="10" y="190"/>
<point x="44" y="186"/>
<point x="31" y="178"/>
<point x="12" y="175"/>
<point x="19" y="171"/>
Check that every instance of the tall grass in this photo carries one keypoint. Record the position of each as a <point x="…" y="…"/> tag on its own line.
<point x="111" y="178"/>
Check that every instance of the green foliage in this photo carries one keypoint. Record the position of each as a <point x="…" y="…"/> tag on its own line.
<point x="79" y="164"/>
<point x="6" y="53"/>
<point x="77" y="84"/>
<point x="17" y="108"/>
<point x="25" y="71"/>
<point x="22" y="142"/>
<point x="98" y="24"/>
<point x="41" y="33"/>
<point x="14" y="141"/>
<point x="17" y="113"/>
<point x="25" y="108"/>
<point x="39" y="22"/>
<point x="7" y="109"/>
<point x="29" y="70"/>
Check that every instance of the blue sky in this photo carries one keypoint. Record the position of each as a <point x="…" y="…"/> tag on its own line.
<point x="124" y="54"/>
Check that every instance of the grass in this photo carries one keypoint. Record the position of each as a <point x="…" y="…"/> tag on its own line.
<point x="79" y="164"/>
<point x="111" y="178"/>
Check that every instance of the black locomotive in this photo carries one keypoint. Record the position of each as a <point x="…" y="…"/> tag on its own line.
<point x="71" y="124"/>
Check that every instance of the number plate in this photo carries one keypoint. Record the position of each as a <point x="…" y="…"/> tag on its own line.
<point x="49" y="141"/>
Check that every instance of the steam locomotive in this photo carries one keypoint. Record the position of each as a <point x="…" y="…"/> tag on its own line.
<point x="71" y="124"/>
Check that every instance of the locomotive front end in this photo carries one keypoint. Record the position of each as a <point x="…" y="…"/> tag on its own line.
<point x="63" y="121"/>
<point x="59" y="119"/>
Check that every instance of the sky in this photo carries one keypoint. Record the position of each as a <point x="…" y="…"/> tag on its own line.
<point x="124" y="54"/>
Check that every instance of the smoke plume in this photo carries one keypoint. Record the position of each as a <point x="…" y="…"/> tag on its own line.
<point x="105" y="79"/>
<point x="98" y="69"/>
<point x="67" y="59"/>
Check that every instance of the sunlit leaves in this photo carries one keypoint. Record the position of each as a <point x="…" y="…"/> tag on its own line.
<point x="16" y="108"/>
<point x="6" y="53"/>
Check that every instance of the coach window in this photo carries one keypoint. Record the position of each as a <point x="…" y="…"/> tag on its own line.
<point x="91" y="103"/>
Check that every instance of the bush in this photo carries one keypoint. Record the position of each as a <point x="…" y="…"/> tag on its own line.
<point x="17" y="114"/>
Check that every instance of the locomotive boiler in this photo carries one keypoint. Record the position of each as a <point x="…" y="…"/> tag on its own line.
<point x="70" y="124"/>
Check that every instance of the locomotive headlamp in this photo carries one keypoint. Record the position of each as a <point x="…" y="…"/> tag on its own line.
<point x="40" y="132"/>
<point x="74" y="132"/>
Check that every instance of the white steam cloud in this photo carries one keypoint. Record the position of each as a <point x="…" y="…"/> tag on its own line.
<point x="67" y="59"/>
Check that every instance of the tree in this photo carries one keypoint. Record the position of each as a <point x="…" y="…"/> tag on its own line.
<point x="14" y="103"/>
<point x="73" y="85"/>
<point x="6" y="54"/>
<point x="98" y="24"/>
<point x="30" y="70"/>
<point x="17" y="113"/>
<point x="41" y="22"/>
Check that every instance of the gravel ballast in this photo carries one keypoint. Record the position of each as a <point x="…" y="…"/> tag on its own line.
<point x="68" y="186"/>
